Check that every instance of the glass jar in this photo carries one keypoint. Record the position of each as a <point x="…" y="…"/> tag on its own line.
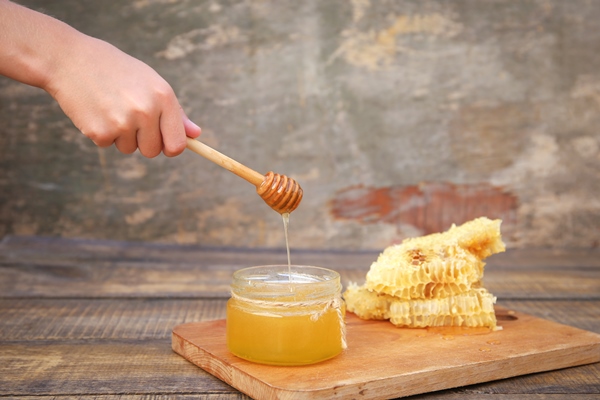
<point x="282" y="316"/>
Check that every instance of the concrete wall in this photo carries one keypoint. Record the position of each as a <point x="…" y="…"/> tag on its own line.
<point x="398" y="118"/>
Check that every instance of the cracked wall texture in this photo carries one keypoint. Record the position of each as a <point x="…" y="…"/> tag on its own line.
<point x="398" y="118"/>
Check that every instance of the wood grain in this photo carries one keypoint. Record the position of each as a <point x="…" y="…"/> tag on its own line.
<point x="71" y="309"/>
<point x="99" y="367"/>
<point x="160" y="396"/>
<point x="77" y="268"/>
<point x="583" y="314"/>
<point x="401" y="361"/>
<point x="152" y="279"/>
<point x="49" y="248"/>
<point x="81" y="367"/>
<point x="141" y="319"/>
<point x="464" y="394"/>
<point x="224" y="161"/>
<point x="75" y="319"/>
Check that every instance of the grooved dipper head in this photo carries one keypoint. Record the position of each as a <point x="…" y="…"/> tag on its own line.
<point x="281" y="193"/>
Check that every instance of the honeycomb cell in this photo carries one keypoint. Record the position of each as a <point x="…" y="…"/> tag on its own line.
<point x="433" y="280"/>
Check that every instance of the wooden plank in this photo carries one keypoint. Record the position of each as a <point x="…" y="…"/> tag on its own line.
<point x="149" y="368"/>
<point x="99" y="367"/>
<point x="210" y="276"/>
<point x="35" y="248"/>
<point x="141" y="319"/>
<point x="543" y="283"/>
<point x="66" y="300"/>
<point x="444" y="395"/>
<point x="565" y="381"/>
<point x="122" y="279"/>
<point x="159" y="396"/>
<point x="547" y="258"/>
<point x="40" y="250"/>
<point x="401" y="361"/>
<point x="466" y="394"/>
<point x="31" y="267"/>
<point x="580" y="314"/>
<point x="49" y="333"/>
<point x="113" y="279"/>
<point x="76" y="319"/>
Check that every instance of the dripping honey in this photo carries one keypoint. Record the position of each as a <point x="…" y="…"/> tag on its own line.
<point x="286" y="224"/>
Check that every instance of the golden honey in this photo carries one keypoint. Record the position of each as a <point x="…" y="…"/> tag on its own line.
<point x="284" y="315"/>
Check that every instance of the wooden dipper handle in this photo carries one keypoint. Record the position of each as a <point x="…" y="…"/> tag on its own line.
<point x="280" y="193"/>
<point x="229" y="164"/>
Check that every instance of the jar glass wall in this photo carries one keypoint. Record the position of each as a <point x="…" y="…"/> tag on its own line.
<point x="275" y="317"/>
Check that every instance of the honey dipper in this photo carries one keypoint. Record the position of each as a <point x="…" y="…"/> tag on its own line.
<point x="281" y="193"/>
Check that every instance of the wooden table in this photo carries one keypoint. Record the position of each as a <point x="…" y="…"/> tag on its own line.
<point x="93" y="319"/>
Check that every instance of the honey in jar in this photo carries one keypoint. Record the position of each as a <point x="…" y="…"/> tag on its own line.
<point x="286" y="315"/>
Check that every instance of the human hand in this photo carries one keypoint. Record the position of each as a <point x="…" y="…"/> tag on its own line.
<point x="112" y="97"/>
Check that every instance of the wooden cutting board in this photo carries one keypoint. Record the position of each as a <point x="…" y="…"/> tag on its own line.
<point x="384" y="362"/>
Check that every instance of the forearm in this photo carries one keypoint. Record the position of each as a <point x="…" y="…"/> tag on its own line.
<point x="32" y="45"/>
<point x="110" y="96"/>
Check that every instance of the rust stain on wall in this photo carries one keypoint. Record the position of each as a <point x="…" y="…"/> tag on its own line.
<point x="429" y="207"/>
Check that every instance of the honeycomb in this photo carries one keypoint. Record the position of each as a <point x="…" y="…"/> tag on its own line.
<point x="474" y="308"/>
<point x="433" y="280"/>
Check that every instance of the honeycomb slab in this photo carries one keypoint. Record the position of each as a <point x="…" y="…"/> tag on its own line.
<point x="433" y="280"/>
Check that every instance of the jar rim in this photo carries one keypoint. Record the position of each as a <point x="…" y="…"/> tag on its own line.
<point x="328" y="274"/>
<point x="274" y="280"/>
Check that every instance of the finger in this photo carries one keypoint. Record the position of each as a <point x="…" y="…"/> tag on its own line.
<point x="172" y="130"/>
<point x="191" y="129"/>
<point x="149" y="139"/>
<point x="127" y="142"/>
<point x="101" y="141"/>
<point x="100" y="138"/>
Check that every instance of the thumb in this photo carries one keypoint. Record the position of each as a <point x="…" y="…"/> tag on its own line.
<point x="191" y="129"/>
